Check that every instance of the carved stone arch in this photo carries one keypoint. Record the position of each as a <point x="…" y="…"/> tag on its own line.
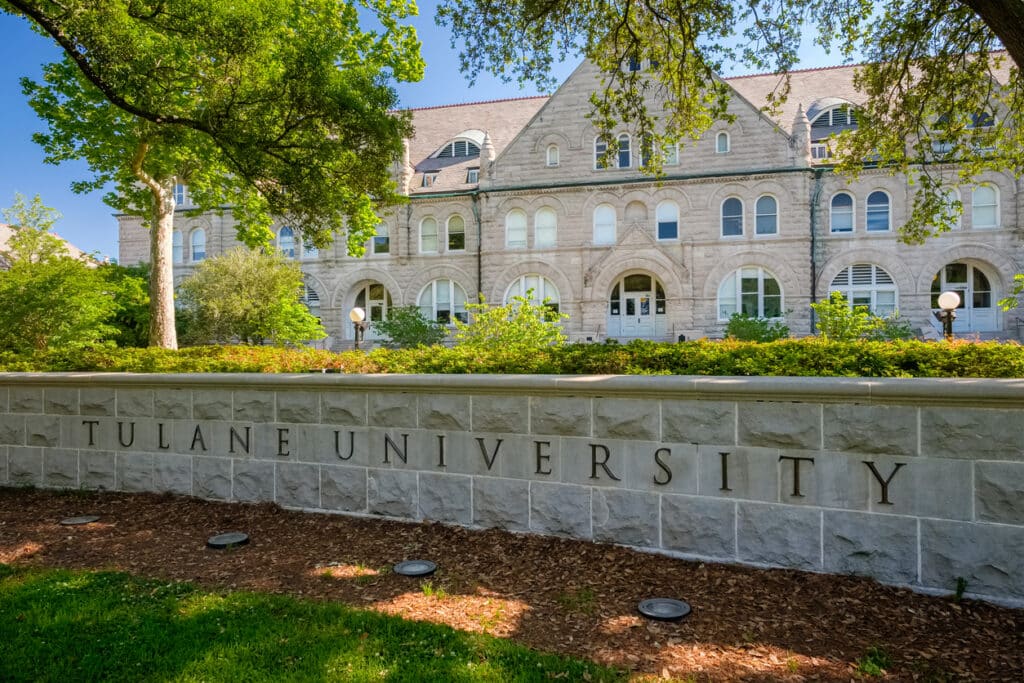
<point x="673" y="193"/>
<point x="786" y="278"/>
<point x="550" y="201"/>
<point x="425" y="276"/>
<point x="513" y="202"/>
<point x="550" y="138"/>
<point x="889" y="261"/>
<point x="566" y="291"/>
<point x="715" y="199"/>
<point x="635" y="213"/>
<point x="345" y="292"/>
<point x="1000" y="265"/>
<point x="596" y="199"/>
<point x="773" y="187"/>
<point x="654" y="263"/>
<point x="319" y="285"/>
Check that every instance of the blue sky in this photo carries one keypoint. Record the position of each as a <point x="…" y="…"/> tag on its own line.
<point x="88" y="222"/>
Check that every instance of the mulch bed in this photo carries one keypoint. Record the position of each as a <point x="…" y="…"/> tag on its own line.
<point x="553" y="594"/>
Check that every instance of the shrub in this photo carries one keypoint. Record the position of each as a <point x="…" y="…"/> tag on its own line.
<point x="519" y="326"/>
<point x="744" y="327"/>
<point x="838" y="321"/>
<point x="406" y="327"/>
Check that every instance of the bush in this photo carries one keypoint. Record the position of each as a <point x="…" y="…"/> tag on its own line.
<point x="744" y="327"/>
<point x="518" y="327"/>
<point x="838" y="321"/>
<point x="406" y="327"/>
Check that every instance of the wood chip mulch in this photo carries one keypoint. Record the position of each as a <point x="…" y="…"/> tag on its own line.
<point x="552" y="594"/>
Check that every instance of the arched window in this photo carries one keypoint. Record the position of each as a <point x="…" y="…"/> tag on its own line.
<point x="864" y="284"/>
<point x="751" y="291"/>
<point x="604" y="224"/>
<point x="198" y="245"/>
<point x="311" y="298"/>
<point x="985" y="207"/>
<point x="732" y="217"/>
<point x="600" y="148"/>
<point x="841" y="213"/>
<point x="456" y="233"/>
<point x="382" y="240"/>
<point x="428" y="235"/>
<point x="176" y="248"/>
<point x="722" y="143"/>
<point x="443" y="300"/>
<point x="625" y="157"/>
<point x="286" y="241"/>
<point x="458" y="148"/>
<point x="545" y="228"/>
<point x="877" y="215"/>
<point x="667" y="217"/>
<point x="515" y="229"/>
<point x="552" y="155"/>
<point x="540" y="289"/>
<point x="766" y="220"/>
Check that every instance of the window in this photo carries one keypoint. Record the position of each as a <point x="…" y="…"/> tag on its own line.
<point x="375" y="300"/>
<point x="604" y="224"/>
<point x="722" y="143"/>
<point x="311" y="298"/>
<point x="751" y="291"/>
<point x="545" y="227"/>
<point x="634" y="63"/>
<point x="429" y="179"/>
<point x="176" y="249"/>
<point x="732" y="217"/>
<point x="542" y="288"/>
<point x="645" y="151"/>
<point x="600" y="148"/>
<point x="472" y="175"/>
<point x="443" y="300"/>
<point x="841" y="214"/>
<point x="181" y="197"/>
<point x="672" y="155"/>
<point x="515" y="229"/>
<point x="456" y="233"/>
<point x="459" y="148"/>
<point x="877" y="214"/>
<point x="552" y="156"/>
<point x="428" y="235"/>
<point x="309" y="250"/>
<point x="286" y="242"/>
<point x="624" y="157"/>
<point x="766" y="220"/>
<point x="984" y="207"/>
<point x="864" y="284"/>
<point x="381" y="241"/>
<point x="667" y="216"/>
<point x="198" y="245"/>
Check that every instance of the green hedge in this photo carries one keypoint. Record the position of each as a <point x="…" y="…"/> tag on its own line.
<point x="791" y="357"/>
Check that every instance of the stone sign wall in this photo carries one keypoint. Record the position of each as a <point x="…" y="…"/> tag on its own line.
<point x="913" y="482"/>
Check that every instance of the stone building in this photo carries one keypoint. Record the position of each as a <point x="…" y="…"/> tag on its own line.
<point x="508" y="196"/>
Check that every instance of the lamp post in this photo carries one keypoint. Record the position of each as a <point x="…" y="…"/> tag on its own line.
<point x="358" y="318"/>
<point x="948" y="303"/>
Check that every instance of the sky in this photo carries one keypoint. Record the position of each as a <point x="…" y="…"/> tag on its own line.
<point x="89" y="224"/>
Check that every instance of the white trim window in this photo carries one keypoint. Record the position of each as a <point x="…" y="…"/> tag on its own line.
<point x="766" y="215"/>
<point x="878" y="216"/>
<point x="456" y="233"/>
<point x="624" y="157"/>
<point x="198" y="242"/>
<point x="181" y="195"/>
<point x="840" y="217"/>
<point x="545" y="228"/>
<point x="551" y="155"/>
<point x="311" y="298"/>
<point x="867" y="285"/>
<point x="443" y="300"/>
<point x="985" y="207"/>
<point x="600" y="149"/>
<point x="722" y="143"/>
<point x="428" y="235"/>
<point x="286" y="242"/>
<point x="604" y="224"/>
<point x="542" y="288"/>
<point x="515" y="229"/>
<point x="667" y="221"/>
<point x="751" y="291"/>
<point x="671" y="154"/>
<point x="177" y="248"/>
<point x="382" y="240"/>
<point x="732" y="217"/>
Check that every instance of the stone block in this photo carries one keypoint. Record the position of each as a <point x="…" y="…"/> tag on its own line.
<point x="699" y="422"/>
<point x="212" y="404"/>
<point x="253" y="406"/>
<point x="348" y="408"/>
<point x="561" y="509"/>
<point x="12" y="429"/>
<point x="446" y="498"/>
<point x="626" y="517"/>
<point x="97" y="401"/>
<point x="999" y="492"/>
<point x="464" y="452"/>
<point x="172" y="473"/>
<point x="538" y="458"/>
<point x="392" y="410"/>
<point x="60" y="468"/>
<point x="42" y="430"/>
<point x="923" y="487"/>
<point x="172" y="404"/>
<point x="501" y="503"/>
<point x="595" y="462"/>
<point x="343" y="488"/>
<point x="560" y="416"/>
<point x="134" y="471"/>
<point x="409" y="449"/>
<point x="60" y="401"/>
<point x="298" y="485"/>
<point x="24" y="466"/>
<point x="26" y="400"/>
<point x="447" y="412"/>
<point x="990" y="557"/>
<point x="298" y="407"/>
<point x="338" y="445"/>
<point x="779" y="424"/>
<point x="880" y="546"/>
<point x="211" y="478"/>
<point x="5" y="396"/>
<point x="888" y="430"/>
<point x="3" y="465"/>
<point x="833" y="480"/>
<point x="97" y="470"/>
<point x="972" y="433"/>
<point x="506" y="414"/>
<point x="618" y="418"/>
<point x="778" y="535"/>
<point x="749" y="473"/>
<point x="391" y="493"/>
<point x="135" y="403"/>
<point x="659" y="467"/>
<point x="253" y="480"/>
<point x="699" y="526"/>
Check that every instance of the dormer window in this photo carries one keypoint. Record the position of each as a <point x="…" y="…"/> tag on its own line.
<point x="829" y="117"/>
<point x="473" y="175"/>
<point x="429" y="179"/>
<point x="459" y="148"/>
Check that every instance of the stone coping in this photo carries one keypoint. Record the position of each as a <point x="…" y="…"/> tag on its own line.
<point x="972" y="392"/>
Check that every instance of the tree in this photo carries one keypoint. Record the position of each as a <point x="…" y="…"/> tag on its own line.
<point x="407" y="327"/>
<point x="32" y="241"/>
<point x="929" y="85"/>
<point x="519" y="327"/>
<point x="274" y="107"/>
<point x="249" y="295"/>
<point x="129" y="287"/>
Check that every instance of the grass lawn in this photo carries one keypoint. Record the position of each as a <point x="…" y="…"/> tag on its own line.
<point x="59" y="625"/>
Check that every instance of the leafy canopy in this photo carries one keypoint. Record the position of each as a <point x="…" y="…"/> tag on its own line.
<point x="32" y="240"/>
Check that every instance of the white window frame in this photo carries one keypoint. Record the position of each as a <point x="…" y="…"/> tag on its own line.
<point x="611" y="228"/>
<point x="453" y="290"/>
<point x="381" y="239"/>
<point x="600" y="148"/>
<point x="182" y="197"/>
<point x="177" y="247"/>
<point x="719" y="147"/>
<point x="436" y="235"/>
<point x="540" y="242"/>
<point x="543" y="289"/>
<point x="472" y="175"/>
<point x="952" y="194"/>
<point x="832" y="214"/>
<point x="287" y="248"/>
<point x="888" y="211"/>
<point x="721" y="218"/>
<point x="671" y="154"/>
<point x="516" y="242"/>
<point x="994" y="207"/>
<point x="758" y="215"/>
<point x="666" y="212"/>
<point x="736" y="304"/>
<point x="877" y="286"/>
<point x="449" y="232"/>
<point x="627" y="150"/>
<point x="197" y="238"/>
<point x="551" y="157"/>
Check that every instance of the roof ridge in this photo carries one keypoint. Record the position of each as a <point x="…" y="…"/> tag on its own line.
<point x="470" y="104"/>
<point x="795" y="71"/>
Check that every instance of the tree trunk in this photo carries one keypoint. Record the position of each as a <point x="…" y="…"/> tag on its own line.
<point x="1006" y="19"/>
<point x="161" y="278"/>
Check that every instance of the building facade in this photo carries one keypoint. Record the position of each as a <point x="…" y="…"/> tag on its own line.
<point x="511" y="196"/>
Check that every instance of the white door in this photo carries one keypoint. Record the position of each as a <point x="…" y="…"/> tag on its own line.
<point x="977" y="311"/>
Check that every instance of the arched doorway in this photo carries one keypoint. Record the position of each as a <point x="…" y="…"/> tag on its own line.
<point x="978" y="311"/>
<point x="375" y="300"/>
<point x="636" y="307"/>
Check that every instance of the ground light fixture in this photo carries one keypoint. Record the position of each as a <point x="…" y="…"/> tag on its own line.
<point x="415" y="568"/>
<point x="358" y="318"/>
<point x="948" y="303"/>
<point x="227" y="540"/>
<point x="663" y="609"/>
<point x="83" y="519"/>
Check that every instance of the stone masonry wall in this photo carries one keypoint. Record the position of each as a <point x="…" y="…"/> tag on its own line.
<point x="912" y="482"/>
